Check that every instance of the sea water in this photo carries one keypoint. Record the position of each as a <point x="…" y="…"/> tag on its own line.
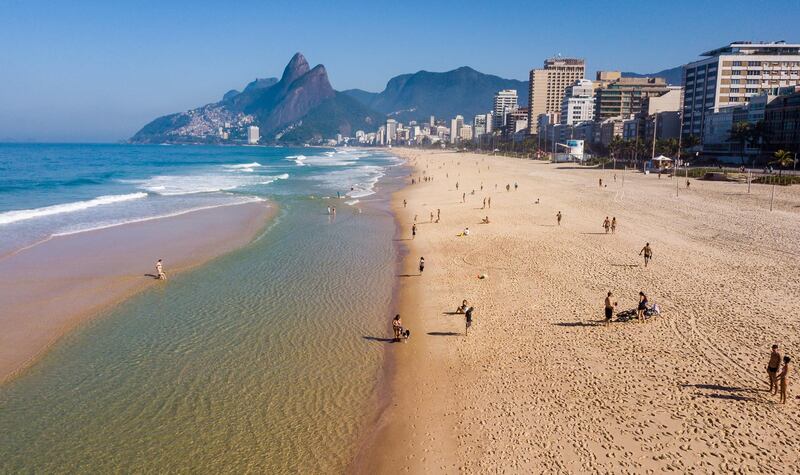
<point x="264" y="360"/>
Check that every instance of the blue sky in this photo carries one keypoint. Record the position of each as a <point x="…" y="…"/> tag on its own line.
<point x="99" y="70"/>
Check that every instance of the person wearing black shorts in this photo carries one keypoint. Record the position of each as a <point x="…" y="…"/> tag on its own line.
<point x="467" y="320"/>
<point x="772" y="369"/>
<point x="609" y="308"/>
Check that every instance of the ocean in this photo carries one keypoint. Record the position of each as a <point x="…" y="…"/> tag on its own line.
<point x="267" y="359"/>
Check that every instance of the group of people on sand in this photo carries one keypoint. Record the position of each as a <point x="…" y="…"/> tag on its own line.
<point x="610" y="225"/>
<point x="778" y="375"/>
<point x="467" y="310"/>
<point x="643" y="308"/>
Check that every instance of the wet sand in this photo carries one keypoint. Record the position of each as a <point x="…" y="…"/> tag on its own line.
<point x="49" y="289"/>
<point x="540" y="384"/>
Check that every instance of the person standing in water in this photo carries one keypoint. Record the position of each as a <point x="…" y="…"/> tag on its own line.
<point x="160" y="275"/>
<point x="607" y="224"/>
<point x="648" y="253"/>
<point x="772" y="369"/>
<point x="558" y="218"/>
<point x="421" y="265"/>
<point x="613" y="225"/>
<point x="783" y="378"/>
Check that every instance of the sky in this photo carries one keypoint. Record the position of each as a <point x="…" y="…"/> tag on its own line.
<point x="96" y="71"/>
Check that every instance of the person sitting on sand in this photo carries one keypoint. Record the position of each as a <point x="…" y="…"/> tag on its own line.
<point x="466" y="231"/>
<point x="607" y="224"/>
<point x="485" y="220"/>
<point x="558" y="218"/>
<point x="537" y="201"/>
<point x="160" y="275"/>
<point x="642" y="307"/>
<point x="772" y="369"/>
<point x="463" y="307"/>
<point x="783" y="378"/>
<point x="397" y="327"/>
<point x="648" y="253"/>
<point x="609" y="308"/>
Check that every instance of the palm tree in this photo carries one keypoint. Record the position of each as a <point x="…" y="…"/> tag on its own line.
<point x="782" y="159"/>
<point x="741" y="133"/>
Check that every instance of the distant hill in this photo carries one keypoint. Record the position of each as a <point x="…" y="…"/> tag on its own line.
<point x="418" y="96"/>
<point x="673" y="76"/>
<point x="301" y="106"/>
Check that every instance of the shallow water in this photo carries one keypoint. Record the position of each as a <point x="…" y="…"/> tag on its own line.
<point x="254" y="362"/>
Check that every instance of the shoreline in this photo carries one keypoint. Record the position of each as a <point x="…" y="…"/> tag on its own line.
<point x="540" y="384"/>
<point x="69" y="279"/>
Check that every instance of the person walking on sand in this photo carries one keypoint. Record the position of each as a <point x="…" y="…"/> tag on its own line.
<point x="558" y="218"/>
<point x="687" y="184"/>
<point x="648" y="253"/>
<point x="642" y="307"/>
<point x="783" y="378"/>
<point x="490" y="202"/>
<point x="607" y="224"/>
<point x="431" y="216"/>
<point x="413" y="231"/>
<point x="600" y="182"/>
<point x="467" y="319"/>
<point x="438" y="214"/>
<point x="456" y="186"/>
<point x="613" y="224"/>
<point x="508" y="187"/>
<point x="772" y="369"/>
<point x="609" y="308"/>
<point x="397" y="327"/>
<point x="405" y="203"/>
<point x="484" y="203"/>
<point x="515" y="186"/>
<point x="421" y="265"/>
<point x="160" y="275"/>
<point x="463" y="197"/>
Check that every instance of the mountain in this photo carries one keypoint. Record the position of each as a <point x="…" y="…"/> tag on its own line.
<point x="673" y="76"/>
<point x="300" y="106"/>
<point x="418" y="96"/>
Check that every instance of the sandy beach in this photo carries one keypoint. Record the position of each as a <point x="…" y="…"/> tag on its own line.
<point x="49" y="289"/>
<point x="540" y="384"/>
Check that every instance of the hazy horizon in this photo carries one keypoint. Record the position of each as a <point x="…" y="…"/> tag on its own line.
<point x="97" y="72"/>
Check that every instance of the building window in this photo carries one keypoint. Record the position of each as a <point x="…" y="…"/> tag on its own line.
<point x="737" y="63"/>
<point x="735" y="81"/>
<point x="752" y="72"/>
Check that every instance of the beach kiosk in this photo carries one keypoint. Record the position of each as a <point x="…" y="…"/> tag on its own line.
<point x="661" y="162"/>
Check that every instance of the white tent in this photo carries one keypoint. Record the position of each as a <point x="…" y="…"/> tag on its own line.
<point x="662" y="158"/>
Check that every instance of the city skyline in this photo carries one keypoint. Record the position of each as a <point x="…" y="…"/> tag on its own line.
<point x="97" y="72"/>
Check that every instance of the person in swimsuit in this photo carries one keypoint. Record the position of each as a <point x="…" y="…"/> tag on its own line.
<point x="648" y="253"/>
<point x="558" y="218"/>
<point x="467" y="319"/>
<point x="160" y="271"/>
<point x="609" y="308"/>
<point x="607" y="224"/>
<point x="421" y="265"/>
<point x="413" y="231"/>
<point x="642" y="306"/>
<point x="613" y="225"/>
<point x="397" y="327"/>
<point x="783" y="378"/>
<point x="772" y="369"/>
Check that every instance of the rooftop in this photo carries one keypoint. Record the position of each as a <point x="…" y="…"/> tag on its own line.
<point x="749" y="47"/>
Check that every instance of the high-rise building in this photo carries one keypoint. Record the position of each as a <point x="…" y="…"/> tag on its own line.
<point x="732" y="74"/>
<point x="578" y="103"/>
<point x="433" y="121"/>
<point x="252" y="135"/>
<point x="455" y="128"/>
<point x="547" y="86"/>
<point x="391" y="131"/>
<point x="505" y="101"/>
<point x="622" y="97"/>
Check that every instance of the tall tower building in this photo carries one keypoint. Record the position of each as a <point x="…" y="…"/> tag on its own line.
<point x="391" y="131"/>
<point x="578" y="103"/>
<point x="505" y="101"/>
<point x="455" y="128"/>
<point x="547" y="86"/>
<point x="732" y="74"/>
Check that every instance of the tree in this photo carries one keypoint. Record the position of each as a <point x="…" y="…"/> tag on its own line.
<point x="690" y="142"/>
<point x="741" y="133"/>
<point x="783" y="159"/>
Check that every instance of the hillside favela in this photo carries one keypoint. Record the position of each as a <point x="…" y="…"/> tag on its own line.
<point x="339" y="239"/>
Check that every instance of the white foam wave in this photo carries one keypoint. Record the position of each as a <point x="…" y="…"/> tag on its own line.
<point x="25" y="214"/>
<point x="173" y="185"/>
<point x="244" y="165"/>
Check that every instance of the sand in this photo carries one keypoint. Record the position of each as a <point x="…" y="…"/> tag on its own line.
<point x="49" y="289"/>
<point x="539" y="384"/>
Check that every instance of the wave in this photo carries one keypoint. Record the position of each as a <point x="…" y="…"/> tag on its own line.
<point x="175" y="185"/>
<point x="299" y="160"/>
<point x="25" y="214"/>
<point x="244" y="167"/>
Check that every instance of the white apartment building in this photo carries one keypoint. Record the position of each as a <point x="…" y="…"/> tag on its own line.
<point x="732" y="74"/>
<point x="505" y="101"/>
<point x="578" y="103"/>
<point x="391" y="131"/>
<point x="455" y="128"/>
<point x="252" y="135"/>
